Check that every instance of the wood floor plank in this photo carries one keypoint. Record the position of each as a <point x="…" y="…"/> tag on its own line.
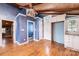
<point x="39" y="48"/>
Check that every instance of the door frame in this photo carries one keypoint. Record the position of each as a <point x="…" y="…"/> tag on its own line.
<point x="14" y="29"/>
<point x="52" y="32"/>
<point x="34" y="29"/>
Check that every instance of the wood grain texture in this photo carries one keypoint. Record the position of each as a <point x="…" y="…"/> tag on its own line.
<point x="39" y="48"/>
<point x="52" y="8"/>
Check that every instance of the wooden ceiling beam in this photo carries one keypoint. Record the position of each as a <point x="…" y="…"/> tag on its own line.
<point x="56" y="7"/>
<point x="52" y="8"/>
<point x="60" y="13"/>
<point x="39" y="11"/>
<point x="52" y="13"/>
<point x="34" y="4"/>
<point x="30" y="5"/>
<point x="27" y="5"/>
<point x="22" y="4"/>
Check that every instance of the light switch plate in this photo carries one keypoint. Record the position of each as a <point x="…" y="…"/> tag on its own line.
<point x="24" y="39"/>
<point x="22" y="29"/>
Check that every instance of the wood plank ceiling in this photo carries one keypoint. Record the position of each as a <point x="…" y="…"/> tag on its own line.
<point x="53" y="8"/>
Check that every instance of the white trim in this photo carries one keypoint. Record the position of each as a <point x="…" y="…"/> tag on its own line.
<point x="14" y="29"/>
<point x="34" y="29"/>
<point x="22" y="43"/>
<point x="0" y="33"/>
<point x="20" y="14"/>
<point x="36" y="40"/>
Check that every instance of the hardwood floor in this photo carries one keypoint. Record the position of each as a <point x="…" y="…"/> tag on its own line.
<point x="39" y="48"/>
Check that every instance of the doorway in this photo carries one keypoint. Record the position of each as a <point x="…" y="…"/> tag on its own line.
<point x="7" y="32"/>
<point x="52" y="31"/>
<point x="30" y="30"/>
<point x="58" y="32"/>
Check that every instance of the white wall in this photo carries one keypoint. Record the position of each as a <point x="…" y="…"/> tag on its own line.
<point x="58" y="18"/>
<point x="47" y="27"/>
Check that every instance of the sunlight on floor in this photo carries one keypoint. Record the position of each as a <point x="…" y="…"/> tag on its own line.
<point x="47" y="50"/>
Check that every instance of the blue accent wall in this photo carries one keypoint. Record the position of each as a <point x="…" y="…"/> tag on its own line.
<point x="22" y="11"/>
<point x="17" y="29"/>
<point x="58" y="33"/>
<point x="7" y="11"/>
<point x="21" y="35"/>
<point x="10" y="12"/>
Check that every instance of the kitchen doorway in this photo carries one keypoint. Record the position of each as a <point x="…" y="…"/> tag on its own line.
<point x="8" y="32"/>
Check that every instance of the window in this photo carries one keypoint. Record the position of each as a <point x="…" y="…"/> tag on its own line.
<point x="72" y="26"/>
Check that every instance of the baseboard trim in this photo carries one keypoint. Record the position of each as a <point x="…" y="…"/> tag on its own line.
<point x="21" y="43"/>
<point x="36" y="40"/>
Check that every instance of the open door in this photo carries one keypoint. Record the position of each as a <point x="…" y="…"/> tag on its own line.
<point x="58" y="32"/>
<point x="52" y="31"/>
<point x="7" y="32"/>
<point x="30" y="30"/>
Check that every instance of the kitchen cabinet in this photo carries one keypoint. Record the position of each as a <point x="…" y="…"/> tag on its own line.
<point x="71" y="36"/>
<point x="68" y="41"/>
<point x="76" y="43"/>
